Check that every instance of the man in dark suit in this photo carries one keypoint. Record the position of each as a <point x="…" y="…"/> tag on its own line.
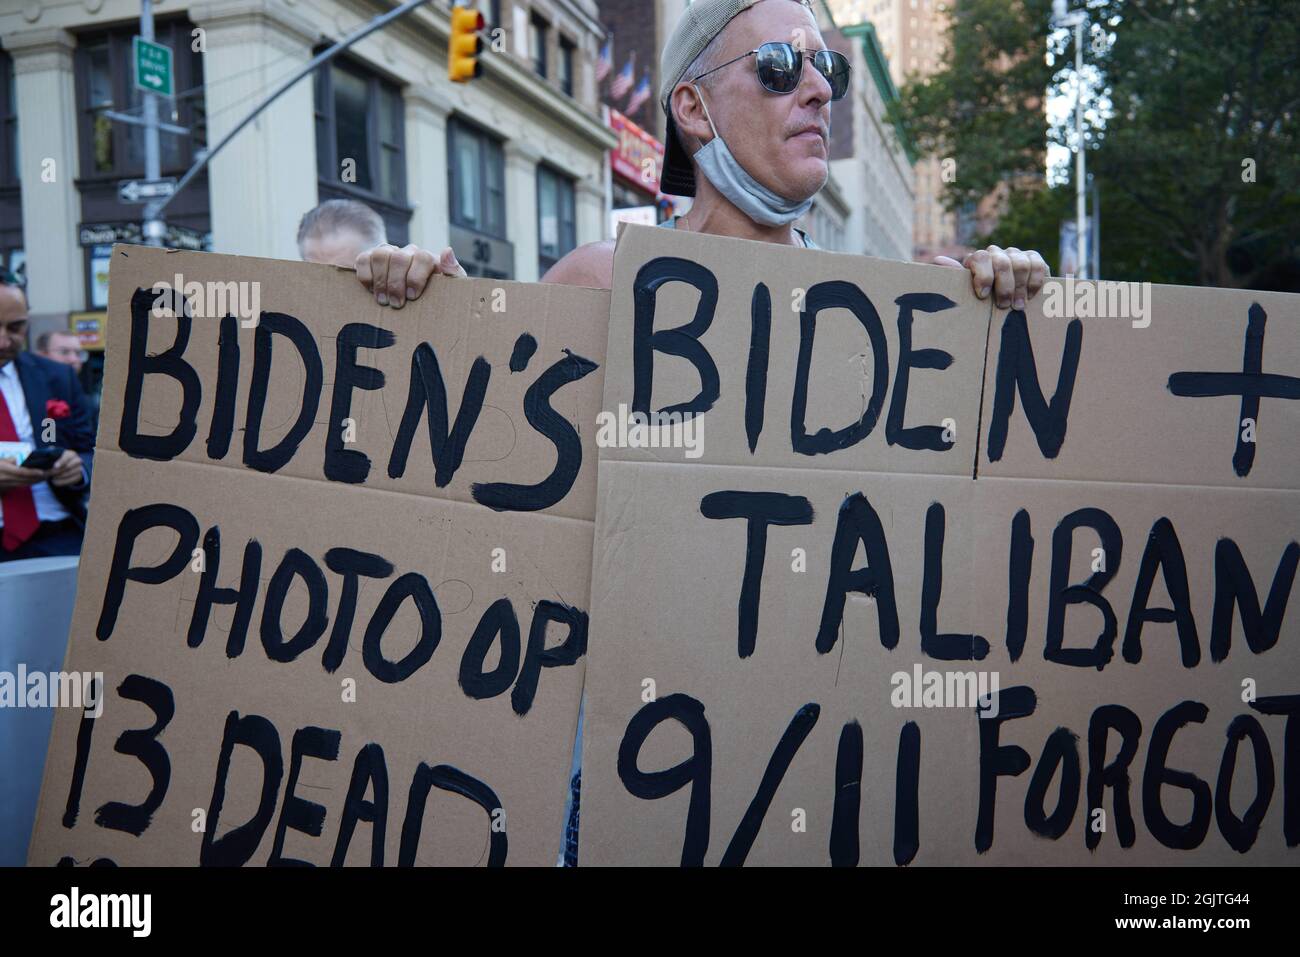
<point x="42" y="511"/>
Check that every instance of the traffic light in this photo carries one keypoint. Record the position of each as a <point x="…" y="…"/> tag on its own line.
<point x="465" y="45"/>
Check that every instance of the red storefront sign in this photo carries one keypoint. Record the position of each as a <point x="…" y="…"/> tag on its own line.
<point x="639" y="157"/>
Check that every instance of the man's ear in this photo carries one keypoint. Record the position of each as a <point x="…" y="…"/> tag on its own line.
<point x="688" y="112"/>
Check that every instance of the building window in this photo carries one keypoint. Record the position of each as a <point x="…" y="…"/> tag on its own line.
<point x="8" y="123"/>
<point x="111" y="149"/>
<point x="537" y="31"/>
<point x="11" y="203"/>
<point x="476" y="169"/>
<point x="360" y="142"/>
<point x="99" y="84"/>
<point x="556" y="217"/>
<point x="566" y="65"/>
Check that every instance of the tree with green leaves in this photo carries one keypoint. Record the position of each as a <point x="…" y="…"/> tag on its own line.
<point x="1192" y="136"/>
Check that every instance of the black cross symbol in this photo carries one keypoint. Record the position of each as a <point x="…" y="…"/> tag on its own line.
<point x="1250" y="383"/>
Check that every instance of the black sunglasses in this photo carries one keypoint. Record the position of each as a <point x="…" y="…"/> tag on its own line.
<point x="780" y="67"/>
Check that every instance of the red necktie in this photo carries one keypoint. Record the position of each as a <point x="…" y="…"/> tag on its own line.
<point x="18" y="505"/>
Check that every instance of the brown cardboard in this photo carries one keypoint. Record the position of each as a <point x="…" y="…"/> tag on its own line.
<point x="442" y="534"/>
<point x="1126" y="423"/>
<point x="667" y="583"/>
<point x="842" y="371"/>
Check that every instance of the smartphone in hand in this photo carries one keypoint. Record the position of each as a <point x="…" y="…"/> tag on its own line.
<point x="43" y="458"/>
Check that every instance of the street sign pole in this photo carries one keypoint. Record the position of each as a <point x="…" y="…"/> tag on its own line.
<point x="154" y="227"/>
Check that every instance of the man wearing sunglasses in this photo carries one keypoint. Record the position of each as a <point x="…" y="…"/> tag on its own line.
<point x="747" y="87"/>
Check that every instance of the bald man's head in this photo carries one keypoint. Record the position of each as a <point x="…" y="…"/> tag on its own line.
<point x="338" y="231"/>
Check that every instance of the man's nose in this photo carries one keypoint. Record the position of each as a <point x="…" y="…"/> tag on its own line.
<point x="813" y="87"/>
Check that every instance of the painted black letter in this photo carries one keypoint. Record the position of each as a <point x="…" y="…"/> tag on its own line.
<point x="681" y="341"/>
<point x="236" y="847"/>
<point x="1182" y="837"/>
<point x="999" y="760"/>
<point x="427" y="390"/>
<point x="504" y="496"/>
<point x="537" y="656"/>
<point x="759" y="509"/>
<point x="1233" y="586"/>
<point x="170" y="363"/>
<point x="135" y="522"/>
<point x="1062" y="594"/>
<point x="298" y="813"/>
<point x="918" y="436"/>
<point x="274" y="458"/>
<point x="858" y="522"/>
<point x="343" y="464"/>
<point x="837" y="294"/>
<point x="1017" y="371"/>
<point x="948" y="647"/>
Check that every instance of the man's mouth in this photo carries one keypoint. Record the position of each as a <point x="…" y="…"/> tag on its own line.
<point x="812" y="132"/>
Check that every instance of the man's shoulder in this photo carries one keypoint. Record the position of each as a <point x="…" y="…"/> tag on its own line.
<point x="53" y="371"/>
<point x="60" y="380"/>
<point x="588" y="265"/>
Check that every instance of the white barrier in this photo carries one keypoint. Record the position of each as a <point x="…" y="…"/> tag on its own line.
<point x="36" y="601"/>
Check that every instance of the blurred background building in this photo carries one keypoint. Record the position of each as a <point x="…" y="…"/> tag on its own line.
<point x="910" y="34"/>
<point x="871" y="159"/>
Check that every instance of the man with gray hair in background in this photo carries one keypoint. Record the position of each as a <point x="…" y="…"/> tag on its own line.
<point x="346" y="233"/>
<point x="338" y="231"/>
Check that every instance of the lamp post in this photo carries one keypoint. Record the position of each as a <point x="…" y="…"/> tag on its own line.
<point x="154" y="227"/>
<point x="1077" y="19"/>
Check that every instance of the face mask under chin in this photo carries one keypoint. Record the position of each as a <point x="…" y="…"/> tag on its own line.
<point x="716" y="163"/>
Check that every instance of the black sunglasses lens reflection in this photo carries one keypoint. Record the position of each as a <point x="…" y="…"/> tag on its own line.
<point x="778" y="67"/>
<point x="835" y="68"/>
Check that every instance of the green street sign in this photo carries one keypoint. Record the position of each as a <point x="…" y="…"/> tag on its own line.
<point x="153" y="67"/>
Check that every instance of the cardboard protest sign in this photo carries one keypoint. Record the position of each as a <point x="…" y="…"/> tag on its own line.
<point x="336" y="573"/>
<point x="928" y="582"/>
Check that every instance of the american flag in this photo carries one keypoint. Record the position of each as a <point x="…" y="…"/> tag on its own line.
<point x="605" y="61"/>
<point x="623" y="82"/>
<point x="639" y="96"/>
